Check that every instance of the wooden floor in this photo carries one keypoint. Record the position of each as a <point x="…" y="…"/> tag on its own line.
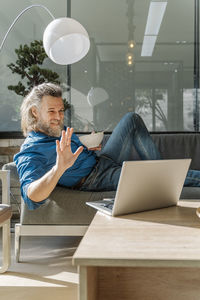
<point x="46" y="269"/>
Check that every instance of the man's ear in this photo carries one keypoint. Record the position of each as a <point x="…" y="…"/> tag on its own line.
<point x="34" y="111"/>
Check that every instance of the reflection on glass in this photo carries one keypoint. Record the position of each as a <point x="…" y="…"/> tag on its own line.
<point x="151" y="105"/>
<point x="158" y="87"/>
<point x="29" y="28"/>
<point x="188" y="100"/>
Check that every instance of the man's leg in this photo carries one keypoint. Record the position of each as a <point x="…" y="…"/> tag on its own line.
<point x="104" y="176"/>
<point x="130" y="133"/>
<point x="192" y="178"/>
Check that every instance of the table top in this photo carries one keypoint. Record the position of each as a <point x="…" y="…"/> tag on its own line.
<point x="161" y="238"/>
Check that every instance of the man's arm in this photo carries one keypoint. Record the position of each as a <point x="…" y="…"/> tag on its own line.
<point x="41" y="188"/>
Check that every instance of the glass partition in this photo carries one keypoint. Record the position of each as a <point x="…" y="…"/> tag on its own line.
<point x="29" y="27"/>
<point x="141" y="59"/>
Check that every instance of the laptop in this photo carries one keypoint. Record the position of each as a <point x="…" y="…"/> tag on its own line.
<point x="146" y="185"/>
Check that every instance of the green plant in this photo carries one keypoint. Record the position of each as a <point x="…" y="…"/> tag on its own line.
<point x="29" y="66"/>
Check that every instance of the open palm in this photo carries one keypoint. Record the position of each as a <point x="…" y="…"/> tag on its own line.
<point x="65" y="156"/>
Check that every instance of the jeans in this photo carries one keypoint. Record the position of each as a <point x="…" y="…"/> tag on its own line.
<point x="130" y="133"/>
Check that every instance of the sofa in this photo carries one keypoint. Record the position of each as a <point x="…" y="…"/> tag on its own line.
<point x="65" y="212"/>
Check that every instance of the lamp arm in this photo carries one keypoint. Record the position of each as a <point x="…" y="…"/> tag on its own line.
<point x="17" y="18"/>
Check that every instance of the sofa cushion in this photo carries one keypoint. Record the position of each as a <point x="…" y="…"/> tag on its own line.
<point x="64" y="207"/>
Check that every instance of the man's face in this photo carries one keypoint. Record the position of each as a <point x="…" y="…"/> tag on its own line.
<point x="50" y="116"/>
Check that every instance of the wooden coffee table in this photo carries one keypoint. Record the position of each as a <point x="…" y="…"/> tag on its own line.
<point x="150" y="255"/>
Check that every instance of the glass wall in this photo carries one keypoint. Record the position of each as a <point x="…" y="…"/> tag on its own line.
<point x="29" y="27"/>
<point x="141" y="59"/>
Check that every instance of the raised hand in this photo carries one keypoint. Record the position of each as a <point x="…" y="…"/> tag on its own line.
<point x="65" y="157"/>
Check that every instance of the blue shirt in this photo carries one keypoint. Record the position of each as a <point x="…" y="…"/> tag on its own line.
<point x="38" y="155"/>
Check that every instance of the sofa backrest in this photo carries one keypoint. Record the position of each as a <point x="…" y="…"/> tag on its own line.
<point x="176" y="145"/>
<point x="179" y="145"/>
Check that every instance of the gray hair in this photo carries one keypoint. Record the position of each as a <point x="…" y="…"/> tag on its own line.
<point x="33" y="99"/>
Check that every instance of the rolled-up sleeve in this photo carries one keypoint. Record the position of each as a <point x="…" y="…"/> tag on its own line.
<point x="30" y="168"/>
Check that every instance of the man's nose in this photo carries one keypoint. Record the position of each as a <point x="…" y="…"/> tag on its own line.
<point x="57" y="116"/>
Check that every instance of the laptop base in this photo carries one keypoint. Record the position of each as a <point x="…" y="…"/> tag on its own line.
<point x="105" y="205"/>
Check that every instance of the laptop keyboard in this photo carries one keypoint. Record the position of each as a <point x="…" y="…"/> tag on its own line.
<point x="109" y="204"/>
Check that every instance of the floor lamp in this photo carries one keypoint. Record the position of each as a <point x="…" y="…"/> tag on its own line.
<point x="65" y="40"/>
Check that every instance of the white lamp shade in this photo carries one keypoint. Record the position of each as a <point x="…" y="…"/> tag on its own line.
<point x="65" y="41"/>
<point x="97" y="95"/>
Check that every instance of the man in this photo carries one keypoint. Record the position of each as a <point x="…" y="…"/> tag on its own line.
<point x="52" y="155"/>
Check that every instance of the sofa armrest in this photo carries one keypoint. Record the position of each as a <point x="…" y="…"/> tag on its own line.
<point x="5" y="179"/>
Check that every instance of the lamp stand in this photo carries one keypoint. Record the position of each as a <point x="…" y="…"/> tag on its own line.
<point x="17" y="18"/>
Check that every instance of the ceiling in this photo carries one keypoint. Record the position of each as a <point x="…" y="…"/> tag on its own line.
<point x="107" y="23"/>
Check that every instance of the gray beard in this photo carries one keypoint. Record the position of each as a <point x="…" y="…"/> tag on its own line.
<point x="56" y="132"/>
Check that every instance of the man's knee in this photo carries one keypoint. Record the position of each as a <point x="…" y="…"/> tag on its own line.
<point x="133" y="116"/>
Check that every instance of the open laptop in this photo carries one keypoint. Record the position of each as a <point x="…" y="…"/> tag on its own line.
<point x="146" y="185"/>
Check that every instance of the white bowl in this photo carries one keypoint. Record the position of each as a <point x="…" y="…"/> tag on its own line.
<point x="92" y="140"/>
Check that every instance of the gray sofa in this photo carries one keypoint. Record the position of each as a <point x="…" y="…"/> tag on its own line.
<point x="65" y="212"/>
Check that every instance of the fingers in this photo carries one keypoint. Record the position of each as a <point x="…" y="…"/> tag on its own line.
<point x="62" y="140"/>
<point x="96" y="148"/>
<point x="58" y="146"/>
<point x="65" y="141"/>
<point x="78" y="151"/>
<point x="66" y="138"/>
